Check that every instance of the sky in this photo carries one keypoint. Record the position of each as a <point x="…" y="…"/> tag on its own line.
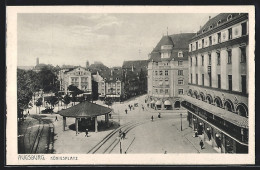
<point x="72" y="39"/>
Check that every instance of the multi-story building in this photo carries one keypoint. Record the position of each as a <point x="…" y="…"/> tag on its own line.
<point x="135" y="77"/>
<point x="78" y="76"/>
<point x="111" y="87"/>
<point x="168" y="71"/>
<point x="217" y="98"/>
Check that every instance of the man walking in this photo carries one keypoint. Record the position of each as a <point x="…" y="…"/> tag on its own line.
<point x="152" y="118"/>
<point x="56" y="119"/>
<point x="125" y="111"/>
<point x="86" y="133"/>
<point x="201" y="144"/>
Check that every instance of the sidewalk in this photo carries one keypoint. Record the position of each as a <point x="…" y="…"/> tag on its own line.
<point x="188" y="133"/>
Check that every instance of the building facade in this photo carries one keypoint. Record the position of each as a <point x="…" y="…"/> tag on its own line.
<point x="78" y="76"/>
<point x="217" y="95"/>
<point x="168" y="71"/>
<point x="111" y="86"/>
<point x="135" y="77"/>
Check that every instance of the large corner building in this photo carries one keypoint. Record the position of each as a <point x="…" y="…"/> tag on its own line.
<point x="217" y="97"/>
<point x="168" y="71"/>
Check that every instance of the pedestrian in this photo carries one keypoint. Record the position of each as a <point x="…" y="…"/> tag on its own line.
<point x="152" y="118"/>
<point x="159" y="115"/>
<point x="201" y="144"/>
<point x="120" y="132"/>
<point x="86" y="133"/>
<point x="196" y="133"/>
<point x="143" y="108"/>
<point x="56" y="119"/>
<point x="125" y="111"/>
<point x="28" y="112"/>
<point x="123" y="135"/>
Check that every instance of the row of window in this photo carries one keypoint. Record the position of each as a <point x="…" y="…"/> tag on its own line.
<point x="166" y="73"/>
<point x="180" y="82"/>
<point x="243" y="81"/>
<point x="166" y="91"/>
<point x="77" y="79"/>
<point x="180" y="63"/>
<point x="229" y="57"/>
<point x="219" y="35"/>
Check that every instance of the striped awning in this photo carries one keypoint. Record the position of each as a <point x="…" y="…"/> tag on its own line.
<point x="158" y="102"/>
<point x="167" y="102"/>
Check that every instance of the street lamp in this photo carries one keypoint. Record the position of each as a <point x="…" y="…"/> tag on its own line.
<point x="181" y="121"/>
<point x="119" y="138"/>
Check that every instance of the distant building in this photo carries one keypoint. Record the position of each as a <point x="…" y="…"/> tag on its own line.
<point x="78" y="77"/>
<point x="112" y="87"/>
<point x="168" y="71"/>
<point x="217" y="96"/>
<point x="135" y="77"/>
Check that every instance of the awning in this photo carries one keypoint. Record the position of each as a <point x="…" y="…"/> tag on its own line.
<point x="222" y="113"/>
<point x="158" y="102"/>
<point x="167" y="102"/>
<point x="152" y="102"/>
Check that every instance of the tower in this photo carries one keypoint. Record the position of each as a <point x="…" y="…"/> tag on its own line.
<point x="87" y="64"/>
<point x="37" y="61"/>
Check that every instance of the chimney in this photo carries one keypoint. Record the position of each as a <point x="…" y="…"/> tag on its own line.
<point x="200" y="26"/>
<point x="209" y="17"/>
<point x="132" y="68"/>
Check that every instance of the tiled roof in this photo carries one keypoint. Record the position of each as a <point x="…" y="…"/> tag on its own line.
<point x="85" y="109"/>
<point x="136" y="64"/>
<point x="180" y="43"/>
<point x="224" y="114"/>
<point x="213" y="22"/>
<point x="113" y="75"/>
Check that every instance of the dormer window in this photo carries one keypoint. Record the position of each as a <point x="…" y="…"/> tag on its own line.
<point x="210" y="27"/>
<point x="180" y="54"/>
<point x="219" y="22"/>
<point x="229" y="17"/>
<point x="203" y="30"/>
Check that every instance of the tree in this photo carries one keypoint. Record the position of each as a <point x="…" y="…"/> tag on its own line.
<point x="38" y="104"/>
<point x="53" y="101"/>
<point x="74" y="91"/>
<point x="26" y="84"/>
<point x="48" y="79"/>
<point x="66" y="100"/>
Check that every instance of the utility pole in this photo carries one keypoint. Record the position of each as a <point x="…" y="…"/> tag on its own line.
<point x="181" y="121"/>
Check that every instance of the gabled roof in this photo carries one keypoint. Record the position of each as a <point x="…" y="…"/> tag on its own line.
<point x="85" y="109"/>
<point x="136" y="64"/>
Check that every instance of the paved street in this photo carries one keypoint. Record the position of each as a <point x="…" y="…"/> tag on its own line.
<point x="150" y="137"/>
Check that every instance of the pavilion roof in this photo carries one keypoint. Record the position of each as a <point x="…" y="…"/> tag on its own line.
<point x="85" y="109"/>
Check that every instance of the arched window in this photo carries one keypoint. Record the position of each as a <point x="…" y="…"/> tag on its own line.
<point x="190" y="93"/>
<point x="196" y="94"/>
<point x="229" y="105"/>
<point x="202" y="96"/>
<point x="209" y="99"/>
<point x="218" y="102"/>
<point x="229" y="17"/>
<point x="242" y="110"/>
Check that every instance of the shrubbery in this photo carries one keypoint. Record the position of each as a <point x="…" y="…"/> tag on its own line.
<point x="49" y="110"/>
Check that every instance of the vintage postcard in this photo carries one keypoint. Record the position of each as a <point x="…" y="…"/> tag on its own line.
<point x="130" y="85"/>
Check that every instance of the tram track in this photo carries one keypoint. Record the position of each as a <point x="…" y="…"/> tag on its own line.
<point x="107" y="144"/>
